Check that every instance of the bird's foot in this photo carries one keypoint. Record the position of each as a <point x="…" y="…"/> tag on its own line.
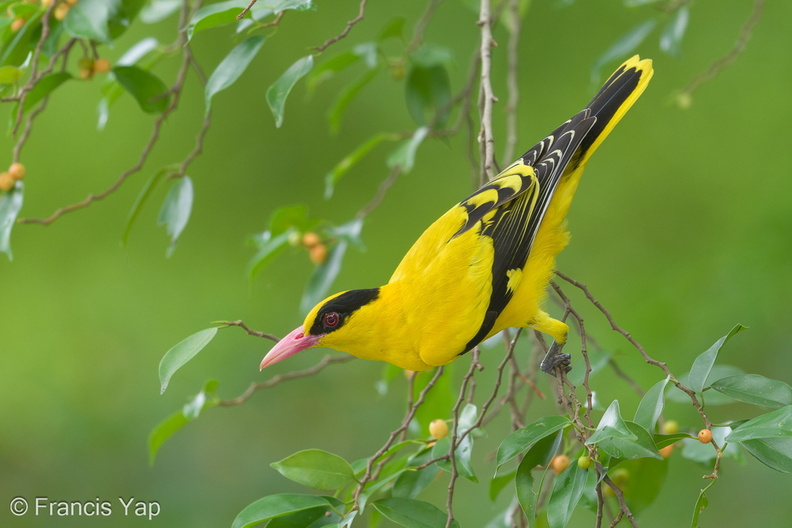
<point x="555" y="359"/>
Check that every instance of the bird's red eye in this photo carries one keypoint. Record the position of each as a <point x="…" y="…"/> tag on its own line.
<point x="331" y="319"/>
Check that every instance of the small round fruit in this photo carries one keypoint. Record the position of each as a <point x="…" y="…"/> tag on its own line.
<point x="671" y="427"/>
<point x="6" y="182"/>
<point x="666" y="451"/>
<point x="17" y="171"/>
<point x="61" y="11"/>
<point x="311" y="239"/>
<point x="705" y="436"/>
<point x="584" y="462"/>
<point x="438" y="429"/>
<point x="318" y="254"/>
<point x="620" y="476"/>
<point x="17" y="24"/>
<point x="101" y="65"/>
<point x="559" y="463"/>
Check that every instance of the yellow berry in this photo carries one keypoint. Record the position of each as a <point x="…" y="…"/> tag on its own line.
<point x="318" y="254"/>
<point x="438" y="429"/>
<point x="666" y="451"/>
<point x="705" y="436"/>
<point x="6" y="182"/>
<point x="61" y="11"/>
<point x="311" y="239"/>
<point x="671" y="427"/>
<point x="584" y="462"/>
<point x="17" y="24"/>
<point x="17" y="171"/>
<point x="101" y="65"/>
<point x="559" y="463"/>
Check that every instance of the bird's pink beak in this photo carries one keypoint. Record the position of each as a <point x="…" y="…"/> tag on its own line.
<point x="289" y="345"/>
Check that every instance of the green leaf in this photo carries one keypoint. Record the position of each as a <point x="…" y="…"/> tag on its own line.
<point x="183" y="352"/>
<point x="316" y="469"/>
<point x="346" y="96"/>
<point x="774" y="424"/>
<point x="498" y="483"/>
<point x="274" y="506"/>
<point x="428" y="89"/>
<point x="775" y="453"/>
<point x="702" y="365"/>
<point x="148" y="90"/>
<point x="231" y="67"/>
<point x="10" y="205"/>
<point x="10" y="74"/>
<point x="540" y="454"/>
<point x="280" y="89"/>
<point x="393" y="29"/>
<point x="674" y="30"/>
<point x="755" y="389"/>
<point x="44" y="88"/>
<point x="651" y="406"/>
<point x="641" y="445"/>
<point x="214" y="15"/>
<point x="704" y="453"/>
<point x="404" y="155"/>
<point x="176" y="210"/>
<point x="712" y="398"/>
<point x="464" y="450"/>
<point x="611" y="425"/>
<point x="142" y="198"/>
<point x="311" y="518"/>
<point x="623" y="47"/>
<point x="269" y="247"/>
<point x="567" y="490"/>
<point x="412" y="513"/>
<point x="191" y="410"/>
<point x="522" y="439"/>
<point x="158" y="10"/>
<point x="702" y="503"/>
<point x="343" y="166"/>
<point x="89" y="19"/>
<point x="412" y="482"/>
<point x="663" y="440"/>
<point x="647" y="477"/>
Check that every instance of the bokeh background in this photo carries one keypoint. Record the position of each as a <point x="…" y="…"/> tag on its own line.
<point x="682" y="227"/>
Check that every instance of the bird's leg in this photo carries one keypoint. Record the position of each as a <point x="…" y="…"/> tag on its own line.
<point x="555" y="358"/>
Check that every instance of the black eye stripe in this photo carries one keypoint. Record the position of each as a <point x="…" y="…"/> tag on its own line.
<point x="343" y="306"/>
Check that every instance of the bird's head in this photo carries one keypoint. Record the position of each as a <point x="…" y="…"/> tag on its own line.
<point x="331" y="323"/>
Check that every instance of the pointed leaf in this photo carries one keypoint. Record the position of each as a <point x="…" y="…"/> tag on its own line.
<point x="404" y="155"/>
<point x="141" y="199"/>
<point x="412" y="513"/>
<point x="280" y="89"/>
<point x="346" y="96"/>
<point x="775" y="453"/>
<point x="412" y="482"/>
<point x="43" y="88"/>
<point x="232" y="67"/>
<point x="148" y="90"/>
<point x="183" y="352"/>
<point x="775" y="424"/>
<point x="343" y="166"/>
<point x="269" y="246"/>
<point x="214" y="15"/>
<point x="316" y="469"/>
<point x="651" y="406"/>
<point x="567" y="490"/>
<point x="89" y="19"/>
<point x="640" y="445"/>
<point x="702" y="365"/>
<point x="10" y="205"/>
<point x="539" y="455"/>
<point x="623" y="47"/>
<point x="756" y="389"/>
<point x="176" y="210"/>
<point x="274" y="506"/>
<point x="611" y="425"/>
<point x="671" y="37"/>
<point x="158" y="10"/>
<point x="522" y="439"/>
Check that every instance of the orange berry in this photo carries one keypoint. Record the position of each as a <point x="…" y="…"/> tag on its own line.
<point x="318" y="254"/>
<point x="17" y="171"/>
<point x="61" y="11"/>
<point x="101" y="65"/>
<point x="559" y="463"/>
<point x="6" y="182"/>
<point x="311" y="239"/>
<point x="17" y="24"/>
<point x="666" y="451"/>
<point x="438" y="429"/>
<point x="705" y="436"/>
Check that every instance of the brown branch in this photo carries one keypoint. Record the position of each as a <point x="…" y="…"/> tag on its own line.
<point x="244" y="327"/>
<point x="420" y="26"/>
<point x="244" y="12"/>
<point x="486" y="96"/>
<point x="739" y="46"/>
<point x="512" y="80"/>
<point x="347" y="29"/>
<point x="327" y="360"/>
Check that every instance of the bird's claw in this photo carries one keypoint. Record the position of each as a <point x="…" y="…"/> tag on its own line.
<point x="555" y="359"/>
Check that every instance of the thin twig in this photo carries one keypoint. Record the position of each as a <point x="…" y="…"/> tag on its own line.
<point x="382" y="190"/>
<point x="512" y="80"/>
<point x="327" y="360"/>
<point x="347" y="29"/>
<point x="487" y="96"/>
<point x="244" y="327"/>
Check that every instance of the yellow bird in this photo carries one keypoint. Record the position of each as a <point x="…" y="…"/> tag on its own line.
<point x="484" y="265"/>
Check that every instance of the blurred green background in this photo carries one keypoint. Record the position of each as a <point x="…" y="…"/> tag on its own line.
<point x="682" y="227"/>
